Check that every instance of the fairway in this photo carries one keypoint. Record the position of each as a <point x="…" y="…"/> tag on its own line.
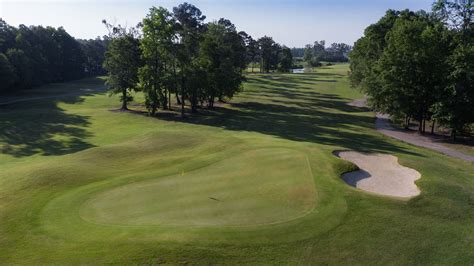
<point x="253" y="188"/>
<point x="253" y="181"/>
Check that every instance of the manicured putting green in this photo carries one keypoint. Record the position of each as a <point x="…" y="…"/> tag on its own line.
<point x="262" y="186"/>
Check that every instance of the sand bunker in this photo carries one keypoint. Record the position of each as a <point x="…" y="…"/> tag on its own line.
<point x="381" y="174"/>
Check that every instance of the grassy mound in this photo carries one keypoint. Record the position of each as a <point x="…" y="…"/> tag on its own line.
<point x="255" y="187"/>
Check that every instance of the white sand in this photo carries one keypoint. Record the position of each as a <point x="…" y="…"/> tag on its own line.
<point x="381" y="174"/>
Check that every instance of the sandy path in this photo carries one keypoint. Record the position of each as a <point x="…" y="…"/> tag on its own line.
<point x="382" y="124"/>
<point x="12" y="100"/>
<point x="381" y="174"/>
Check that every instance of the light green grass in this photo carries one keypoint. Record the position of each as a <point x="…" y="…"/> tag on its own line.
<point x="80" y="183"/>
<point x="256" y="187"/>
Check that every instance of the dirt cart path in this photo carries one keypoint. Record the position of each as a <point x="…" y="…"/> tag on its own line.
<point x="382" y="124"/>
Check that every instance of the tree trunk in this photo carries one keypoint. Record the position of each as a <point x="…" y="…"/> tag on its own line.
<point x="210" y="103"/>
<point x="124" y="100"/>
<point x="165" y="100"/>
<point x="182" y="98"/>
<point x="433" y="122"/>
<point x="178" y="101"/>
<point x="169" y="99"/>
<point x="424" y="125"/>
<point x="193" y="102"/>
<point x="175" y="81"/>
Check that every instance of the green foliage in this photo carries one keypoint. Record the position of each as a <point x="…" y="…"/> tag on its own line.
<point x="314" y="54"/>
<point x="368" y="49"/>
<point x="190" y="26"/>
<point x="122" y="61"/>
<point x="201" y="62"/>
<point x="7" y="73"/>
<point x="457" y="14"/>
<point x="253" y="51"/>
<point x="286" y="60"/>
<point x="318" y="51"/>
<point x="456" y="108"/>
<point x="23" y="68"/>
<point x="158" y="50"/>
<point x="94" y="52"/>
<point x="42" y="55"/>
<point x="337" y="52"/>
<point x="269" y="53"/>
<point x="411" y="65"/>
<point x="411" y="69"/>
<point x="297" y="52"/>
<point x="308" y="56"/>
<point x="7" y="36"/>
<point x="222" y="58"/>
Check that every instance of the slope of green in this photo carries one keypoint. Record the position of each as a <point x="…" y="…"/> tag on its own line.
<point x="253" y="181"/>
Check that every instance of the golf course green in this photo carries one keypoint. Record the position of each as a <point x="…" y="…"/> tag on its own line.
<point x="253" y="181"/>
<point x="251" y="192"/>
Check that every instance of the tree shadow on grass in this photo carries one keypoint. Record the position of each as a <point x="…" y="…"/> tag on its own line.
<point x="299" y="115"/>
<point x="290" y="80"/>
<point x="41" y="127"/>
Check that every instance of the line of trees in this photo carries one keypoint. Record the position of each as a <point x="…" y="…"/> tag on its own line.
<point x="337" y="52"/>
<point x="268" y="54"/>
<point x="176" y="55"/>
<point x="36" y="55"/>
<point x="313" y="54"/>
<point x="420" y="65"/>
<point x="272" y="56"/>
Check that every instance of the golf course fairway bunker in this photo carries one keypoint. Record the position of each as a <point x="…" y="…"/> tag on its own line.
<point x="256" y="187"/>
<point x="380" y="174"/>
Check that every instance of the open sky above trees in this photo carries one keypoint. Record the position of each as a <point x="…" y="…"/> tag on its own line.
<point x="292" y="23"/>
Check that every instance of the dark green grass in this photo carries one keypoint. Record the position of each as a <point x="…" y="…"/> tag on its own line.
<point x="58" y="154"/>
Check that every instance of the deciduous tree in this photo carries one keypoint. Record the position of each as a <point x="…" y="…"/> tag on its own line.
<point x="122" y="61"/>
<point x="157" y="46"/>
<point x="190" y="26"/>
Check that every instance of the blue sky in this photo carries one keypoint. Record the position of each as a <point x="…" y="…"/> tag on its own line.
<point x="293" y="23"/>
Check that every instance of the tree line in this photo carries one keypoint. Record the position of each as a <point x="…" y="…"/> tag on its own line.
<point x="36" y="55"/>
<point x="176" y="56"/>
<point x="270" y="55"/>
<point x="314" y="53"/>
<point x="420" y="65"/>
